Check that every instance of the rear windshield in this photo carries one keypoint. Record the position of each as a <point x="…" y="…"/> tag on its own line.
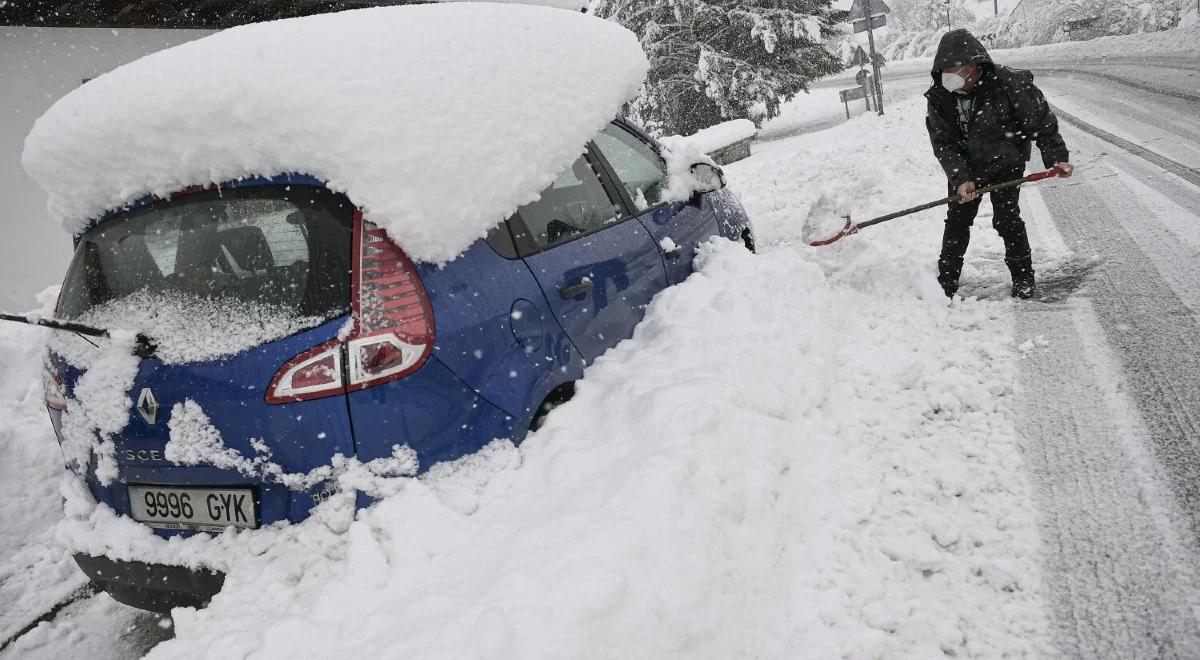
<point x="281" y="252"/>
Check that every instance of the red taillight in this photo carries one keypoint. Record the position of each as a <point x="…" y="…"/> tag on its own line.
<point x="392" y="333"/>
<point x="52" y="388"/>
<point x="310" y="375"/>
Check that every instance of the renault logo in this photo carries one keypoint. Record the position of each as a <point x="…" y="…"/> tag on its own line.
<point x="147" y="405"/>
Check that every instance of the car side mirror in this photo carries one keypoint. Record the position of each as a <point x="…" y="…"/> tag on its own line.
<point x="707" y="177"/>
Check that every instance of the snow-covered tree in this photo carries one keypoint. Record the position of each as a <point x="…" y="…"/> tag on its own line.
<point x="713" y="60"/>
<point x="1109" y="17"/>
<point x="924" y="15"/>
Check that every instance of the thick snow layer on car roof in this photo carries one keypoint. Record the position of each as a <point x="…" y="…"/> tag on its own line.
<point x="437" y="120"/>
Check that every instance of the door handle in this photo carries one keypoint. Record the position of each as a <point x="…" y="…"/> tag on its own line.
<point x="674" y="252"/>
<point x="575" y="290"/>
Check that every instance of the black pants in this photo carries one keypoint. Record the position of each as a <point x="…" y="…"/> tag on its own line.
<point x="1006" y="220"/>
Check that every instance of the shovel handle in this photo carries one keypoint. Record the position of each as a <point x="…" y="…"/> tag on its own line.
<point x="852" y="227"/>
<point x="1036" y="176"/>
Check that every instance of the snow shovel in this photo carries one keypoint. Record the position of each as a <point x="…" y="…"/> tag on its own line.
<point x="852" y="227"/>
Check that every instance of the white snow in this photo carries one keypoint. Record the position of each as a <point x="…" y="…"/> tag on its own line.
<point x="681" y="154"/>
<point x="193" y="440"/>
<point x="190" y="328"/>
<point x="800" y="452"/>
<point x="827" y="468"/>
<point x="437" y="120"/>
<point x="722" y="135"/>
<point x="100" y="406"/>
<point x="34" y="571"/>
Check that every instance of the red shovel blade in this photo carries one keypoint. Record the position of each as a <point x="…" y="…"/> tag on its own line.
<point x="847" y="230"/>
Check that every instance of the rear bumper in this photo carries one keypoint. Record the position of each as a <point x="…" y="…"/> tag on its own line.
<point x="153" y="587"/>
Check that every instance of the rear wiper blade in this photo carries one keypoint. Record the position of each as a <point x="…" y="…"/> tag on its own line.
<point x="143" y="349"/>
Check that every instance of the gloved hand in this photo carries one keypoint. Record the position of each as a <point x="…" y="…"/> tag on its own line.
<point x="1065" y="169"/>
<point x="966" y="192"/>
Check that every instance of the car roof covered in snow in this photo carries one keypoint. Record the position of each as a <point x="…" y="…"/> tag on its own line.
<point x="437" y="120"/>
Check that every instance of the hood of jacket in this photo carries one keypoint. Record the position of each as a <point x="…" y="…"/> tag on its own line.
<point x="958" y="48"/>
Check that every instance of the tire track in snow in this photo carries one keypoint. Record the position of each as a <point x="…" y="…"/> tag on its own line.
<point x="1189" y="174"/>
<point x="1120" y="580"/>
<point x="1152" y="331"/>
<point x="1121" y="564"/>
<point x="1119" y="79"/>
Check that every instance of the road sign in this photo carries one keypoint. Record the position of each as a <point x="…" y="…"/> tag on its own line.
<point x="865" y="16"/>
<point x="876" y="23"/>
<point x="859" y="58"/>
<point x="858" y="11"/>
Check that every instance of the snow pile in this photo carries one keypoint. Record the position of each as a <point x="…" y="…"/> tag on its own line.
<point x="186" y="327"/>
<point x="34" y="572"/>
<point x="804" y="453"/>
<point x="843" y="481"/>
<point x="437" y="120"/>
<point x="722" y="135"/>
<point x="827" y="468"/>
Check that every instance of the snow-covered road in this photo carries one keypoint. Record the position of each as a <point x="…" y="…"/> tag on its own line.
<point x="1113" y="407"/>
<point x="909" y="478"/>
<point x="1110" y="397"/>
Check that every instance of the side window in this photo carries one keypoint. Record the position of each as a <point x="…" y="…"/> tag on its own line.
<point x="640" y="169"/>
<point x="574" y="205"/>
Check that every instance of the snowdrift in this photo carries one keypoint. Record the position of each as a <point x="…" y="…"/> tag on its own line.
<point x="799" y="454"/>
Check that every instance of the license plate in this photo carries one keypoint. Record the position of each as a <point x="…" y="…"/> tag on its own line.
<point x="199" y="509"/>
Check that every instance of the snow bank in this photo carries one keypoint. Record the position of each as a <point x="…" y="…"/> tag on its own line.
<point x="437" y="120"/>
<point x="825" y="468"/>
<point x="804" y="453"/>
<point x="722" y="135"/>
<point x="34" y="571"/>
<point x="1183" y="41"/>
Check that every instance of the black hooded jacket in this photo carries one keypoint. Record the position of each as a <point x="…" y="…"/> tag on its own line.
<point x="1009" y="113"/>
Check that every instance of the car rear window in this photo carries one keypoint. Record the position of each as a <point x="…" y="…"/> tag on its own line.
<point x="286" y="249"/>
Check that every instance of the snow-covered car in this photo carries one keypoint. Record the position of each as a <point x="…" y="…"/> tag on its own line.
<point x="323" y="272"/>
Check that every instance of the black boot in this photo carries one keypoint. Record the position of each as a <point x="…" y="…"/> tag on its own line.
<point x="949" y="288"/>
<point x="1024" y="288"/>
<point x="1021" y="268"/>
<point x="950" y="262"/>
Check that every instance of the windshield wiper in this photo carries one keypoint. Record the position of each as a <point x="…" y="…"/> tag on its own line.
<point x="143" y="349"/>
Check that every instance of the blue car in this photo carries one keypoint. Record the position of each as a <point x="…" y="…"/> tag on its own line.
<point x="441" y="359"/>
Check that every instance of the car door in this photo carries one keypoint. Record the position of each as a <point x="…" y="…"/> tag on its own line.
<point x="596" y="265"/>
<point x="677" y="227"/>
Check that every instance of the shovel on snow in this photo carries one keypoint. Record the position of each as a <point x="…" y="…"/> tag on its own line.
<point x="852" y="227"/>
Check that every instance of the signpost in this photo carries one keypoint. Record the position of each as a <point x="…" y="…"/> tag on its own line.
<point x="853" y="94"/>
<point x="867" y="15"/>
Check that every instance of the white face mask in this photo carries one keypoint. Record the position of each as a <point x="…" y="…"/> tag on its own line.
<point x="953" y="81"/>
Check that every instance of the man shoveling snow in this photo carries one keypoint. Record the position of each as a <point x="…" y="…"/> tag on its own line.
<point x="982" y="118"/>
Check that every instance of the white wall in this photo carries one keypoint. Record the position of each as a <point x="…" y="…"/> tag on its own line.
<point x="37" y="66"/>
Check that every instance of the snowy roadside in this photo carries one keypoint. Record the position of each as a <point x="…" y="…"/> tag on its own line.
<point x="1180" y="42"/>
<point x="34" y="571"/>
<point x="800" y="453"/>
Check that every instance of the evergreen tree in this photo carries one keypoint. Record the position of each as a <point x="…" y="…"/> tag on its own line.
<point x="713" y="60"/>
<point x="920" y="15"/>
